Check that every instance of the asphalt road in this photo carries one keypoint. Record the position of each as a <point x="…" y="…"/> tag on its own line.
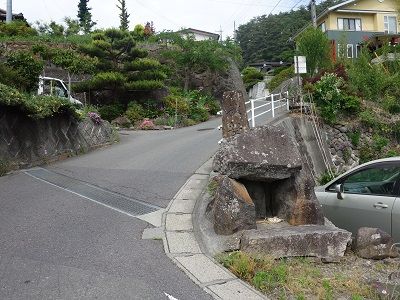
<point x="57" y="245"/>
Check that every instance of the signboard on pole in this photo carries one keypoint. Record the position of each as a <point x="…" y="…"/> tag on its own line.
<point x="300" y="65"/>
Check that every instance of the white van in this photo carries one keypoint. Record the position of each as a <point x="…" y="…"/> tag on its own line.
<point x="55" y="87"/>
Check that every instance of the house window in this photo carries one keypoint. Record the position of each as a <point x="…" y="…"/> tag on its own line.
<point x="349" y="24"/>
<point x="350" y="51"/>
<point x="358" y="50"/>
<point x="322" y="27"/>
<point x="390" y="23"/>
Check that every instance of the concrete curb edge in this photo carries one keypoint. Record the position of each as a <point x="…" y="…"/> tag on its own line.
<point x="183" y="247"/>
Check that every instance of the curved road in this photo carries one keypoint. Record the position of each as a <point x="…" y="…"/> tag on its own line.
<point x="58" y="245"/>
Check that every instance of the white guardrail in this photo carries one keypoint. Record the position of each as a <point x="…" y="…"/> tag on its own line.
<point x="270" y="104"/>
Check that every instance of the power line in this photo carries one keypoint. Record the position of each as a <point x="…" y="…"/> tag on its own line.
<point x="296" y="4"/>
<point x="276" y="5"/>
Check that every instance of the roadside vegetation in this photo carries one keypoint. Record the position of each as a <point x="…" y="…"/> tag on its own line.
<point x="362" y="94"/>
<point x="251" y="76"/>
<point x="120" y="77"/>
<point x="308" y="278"/>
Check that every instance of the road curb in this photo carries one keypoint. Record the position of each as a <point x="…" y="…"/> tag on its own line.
<point x="183" y="247"/>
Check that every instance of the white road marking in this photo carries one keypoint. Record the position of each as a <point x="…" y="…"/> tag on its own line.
<point x="170" y="297"/>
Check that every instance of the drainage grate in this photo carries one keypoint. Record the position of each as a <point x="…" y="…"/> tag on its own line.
<point x="113" y="200"/>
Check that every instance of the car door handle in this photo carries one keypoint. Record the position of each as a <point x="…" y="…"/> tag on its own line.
<point x="380" y="205"/>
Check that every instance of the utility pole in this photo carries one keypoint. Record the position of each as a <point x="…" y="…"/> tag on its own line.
<point x="9" y="11"/>
<point x="220" y="33"/>
<point x="313" y="13"/>
<point x="234" y="31"/>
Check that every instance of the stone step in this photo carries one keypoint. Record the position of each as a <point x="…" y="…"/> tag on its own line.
<point x="319" y="241"/>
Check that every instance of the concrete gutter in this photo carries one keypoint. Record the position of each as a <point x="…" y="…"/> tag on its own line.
<point x="185" y="248"/>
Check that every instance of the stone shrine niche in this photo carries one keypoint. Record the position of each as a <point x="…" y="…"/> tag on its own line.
<point x="266" y="160"/>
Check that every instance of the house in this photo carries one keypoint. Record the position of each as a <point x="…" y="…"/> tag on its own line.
<point x="350" y="23"/>
<point x="266" y="66"/>
<point x="200" y="35"/>
<point x="3" y="14"/>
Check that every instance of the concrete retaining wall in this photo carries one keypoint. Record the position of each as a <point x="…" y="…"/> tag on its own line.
<point x="304" y="127"/>
<point x="26" y="142"/>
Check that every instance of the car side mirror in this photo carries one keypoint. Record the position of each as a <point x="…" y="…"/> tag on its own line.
<point x="340" y="191"/>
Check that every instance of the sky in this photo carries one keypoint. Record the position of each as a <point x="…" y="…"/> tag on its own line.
<point x="207" y="15"/>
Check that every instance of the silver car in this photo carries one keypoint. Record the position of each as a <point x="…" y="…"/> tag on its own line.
<point x="366" y="196"/>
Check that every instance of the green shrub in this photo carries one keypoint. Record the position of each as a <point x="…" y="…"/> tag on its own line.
<point x="11" y="97"/>
<point x="16" y="28"/>
<point x="144" y="85"/>
<point x="143" y="64"/>
<point x="278" y="79"/>
<point x="392" y="153"/>
<point x="366" y="79"/>
<point x="354" y="137"/>
<point x="172" y="102"/>
<point x="366" y="154"/>
<point x="251" y="76"/>
<point x="367" y="118"/>
<point x="198" y="113"/>
<point x="11" y="77"/>
<point x="106" y="79"/>
<point x="379" y="142"/>
<point x="36" y="107"/>
<point x="328" y="97"/>
<point x="27" y="67"/>
<point x="350" y="104"/>
<point x="40" y="107"/>
<point x="111" y="111"/>
<point x="135" y="112"/>
<point x="152" y="108"/>
<point x="391" y="104"/>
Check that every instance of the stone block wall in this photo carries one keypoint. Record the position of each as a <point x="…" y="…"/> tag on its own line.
<point x="345" y="155"/>
<point x="25" y="142"/>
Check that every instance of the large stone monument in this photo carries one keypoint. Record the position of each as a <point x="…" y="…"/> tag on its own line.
<point x="265" y="190"/>
<point x="234" y="117"/>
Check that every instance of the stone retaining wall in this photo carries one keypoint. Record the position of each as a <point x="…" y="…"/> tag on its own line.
<point x="344" y="154"/>
<point x="25" y="142"/>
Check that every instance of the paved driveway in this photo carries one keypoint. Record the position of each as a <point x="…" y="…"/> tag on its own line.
<point x="56" y="244"/>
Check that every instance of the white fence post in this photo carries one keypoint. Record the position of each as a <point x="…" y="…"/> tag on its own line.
<point x="253" y="121"/>
<point x="287" y="100"/>
<point x="272" y="106"/>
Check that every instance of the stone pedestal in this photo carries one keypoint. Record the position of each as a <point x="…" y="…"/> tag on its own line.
<point x="234" y="117"/>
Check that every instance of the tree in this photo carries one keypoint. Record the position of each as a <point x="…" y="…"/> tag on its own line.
<point x="138" y="32"/>
<point x="122" y="67"/>
<point x="266" y="37"/>
<point x="123" y="16"/>
<point x="315" y="45"/>
<point x="27" y="68"/>
<point x="56" y="29"/>
<point x="73" y="26"/>
<point x="192" y="56"/>
<point x="85" y="16"/>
